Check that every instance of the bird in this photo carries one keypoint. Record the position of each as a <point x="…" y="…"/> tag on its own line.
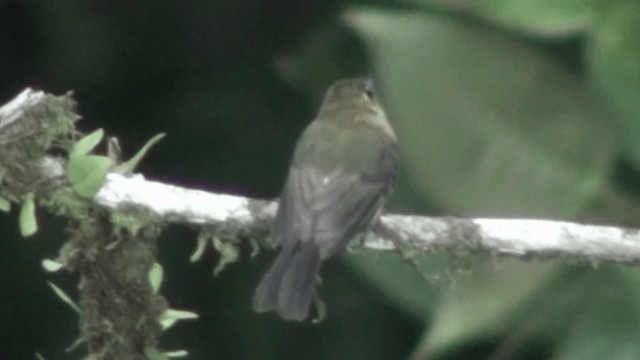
<point x="342" y="170"/>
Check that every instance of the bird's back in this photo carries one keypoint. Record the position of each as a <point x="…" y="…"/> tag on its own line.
<point x="336" y="183"/>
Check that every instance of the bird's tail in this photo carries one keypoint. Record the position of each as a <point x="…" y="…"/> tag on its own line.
<point x="288" y="286"/>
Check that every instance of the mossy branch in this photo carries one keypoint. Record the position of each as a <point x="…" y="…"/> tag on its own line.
<point x="119" y="309"/>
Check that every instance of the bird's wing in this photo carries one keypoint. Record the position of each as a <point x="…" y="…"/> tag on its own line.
<point x="328" y="209"/>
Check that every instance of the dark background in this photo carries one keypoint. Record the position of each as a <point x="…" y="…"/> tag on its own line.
<point x="504" y="108"/>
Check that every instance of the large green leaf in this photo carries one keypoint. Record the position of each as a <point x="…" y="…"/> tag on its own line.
<point x="486" y="303"/>
<point x="486" y="125"/>
<point x="398" y="279"/>
<point x="614" y="58"/>
<point x="608" y="326"/>
<point x="544" y="18"/>
<point x="556" y="18"/>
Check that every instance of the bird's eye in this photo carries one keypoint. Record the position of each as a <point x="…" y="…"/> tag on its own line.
<point x="369" y="90"/>
<point x="369" y="94"/>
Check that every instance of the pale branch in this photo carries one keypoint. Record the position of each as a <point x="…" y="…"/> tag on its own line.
<point x="520" y="238"/>
<point x="16" y="108"/>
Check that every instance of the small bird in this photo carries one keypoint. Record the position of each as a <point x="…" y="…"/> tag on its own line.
<point x="342" y="170"/>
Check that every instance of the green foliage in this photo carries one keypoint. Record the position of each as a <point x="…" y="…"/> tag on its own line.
<point x="170" y="316"/>
<point x="24" y="144"/>
<point x="65" y="298"/>
<point x="154" y="354"/>
<point x="484" y="304"/>
<point x="86" y="145"/>
<point x="128" y="166"/>
<point x="321" y="310"/>
<point x="227" y="248"/>
<point x="541" y="18"/>
<point x="27" y="219"/>
<point x="614" y="59"/>
<point x="490" y="125"/>
<point x="177" y="353"/>
<point x="87" y="173"/>
<point x="51" y="265"/>
<point x="398" y="280"/>
<point x="606" y="326"/>
<point x="546" y="19"/>
<point x="156" y="275"/>
<point x="487" y="125"/>
<point x="228" y="251"/>
<point x="5" y="205"/>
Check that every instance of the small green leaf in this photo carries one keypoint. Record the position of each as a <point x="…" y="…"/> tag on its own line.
<point x="177" y="353"/>
<point x="128" y="166"/>
<point x="5" y="205"/>
<point x="87" y="173"/>
<point x="114" y="152"/>
<point x="85" y="145"/>
<point x="255" y="247"/>
<point x="228" y="254"/>
<point x="51" y="265"/>
<point x="155" y="277"/>
<point x="203" y="241"/>
<point x="27" y="219"/>
<point x="66" y="250"/>
<point x="64" y="297"/>
<point x="153" y="353"/>
<point x="321" y="308"/>
<point x="170" y="316"/>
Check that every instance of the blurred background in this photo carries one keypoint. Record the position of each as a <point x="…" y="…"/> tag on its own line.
<point x="504" y="108"/>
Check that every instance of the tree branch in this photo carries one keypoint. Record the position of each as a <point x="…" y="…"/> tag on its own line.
<point x="520" y="238"/>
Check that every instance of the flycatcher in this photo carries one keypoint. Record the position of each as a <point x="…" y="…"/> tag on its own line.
<point x="342" y="170"/>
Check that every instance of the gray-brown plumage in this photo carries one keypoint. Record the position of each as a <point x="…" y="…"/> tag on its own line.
<point x="342" y="169"/>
